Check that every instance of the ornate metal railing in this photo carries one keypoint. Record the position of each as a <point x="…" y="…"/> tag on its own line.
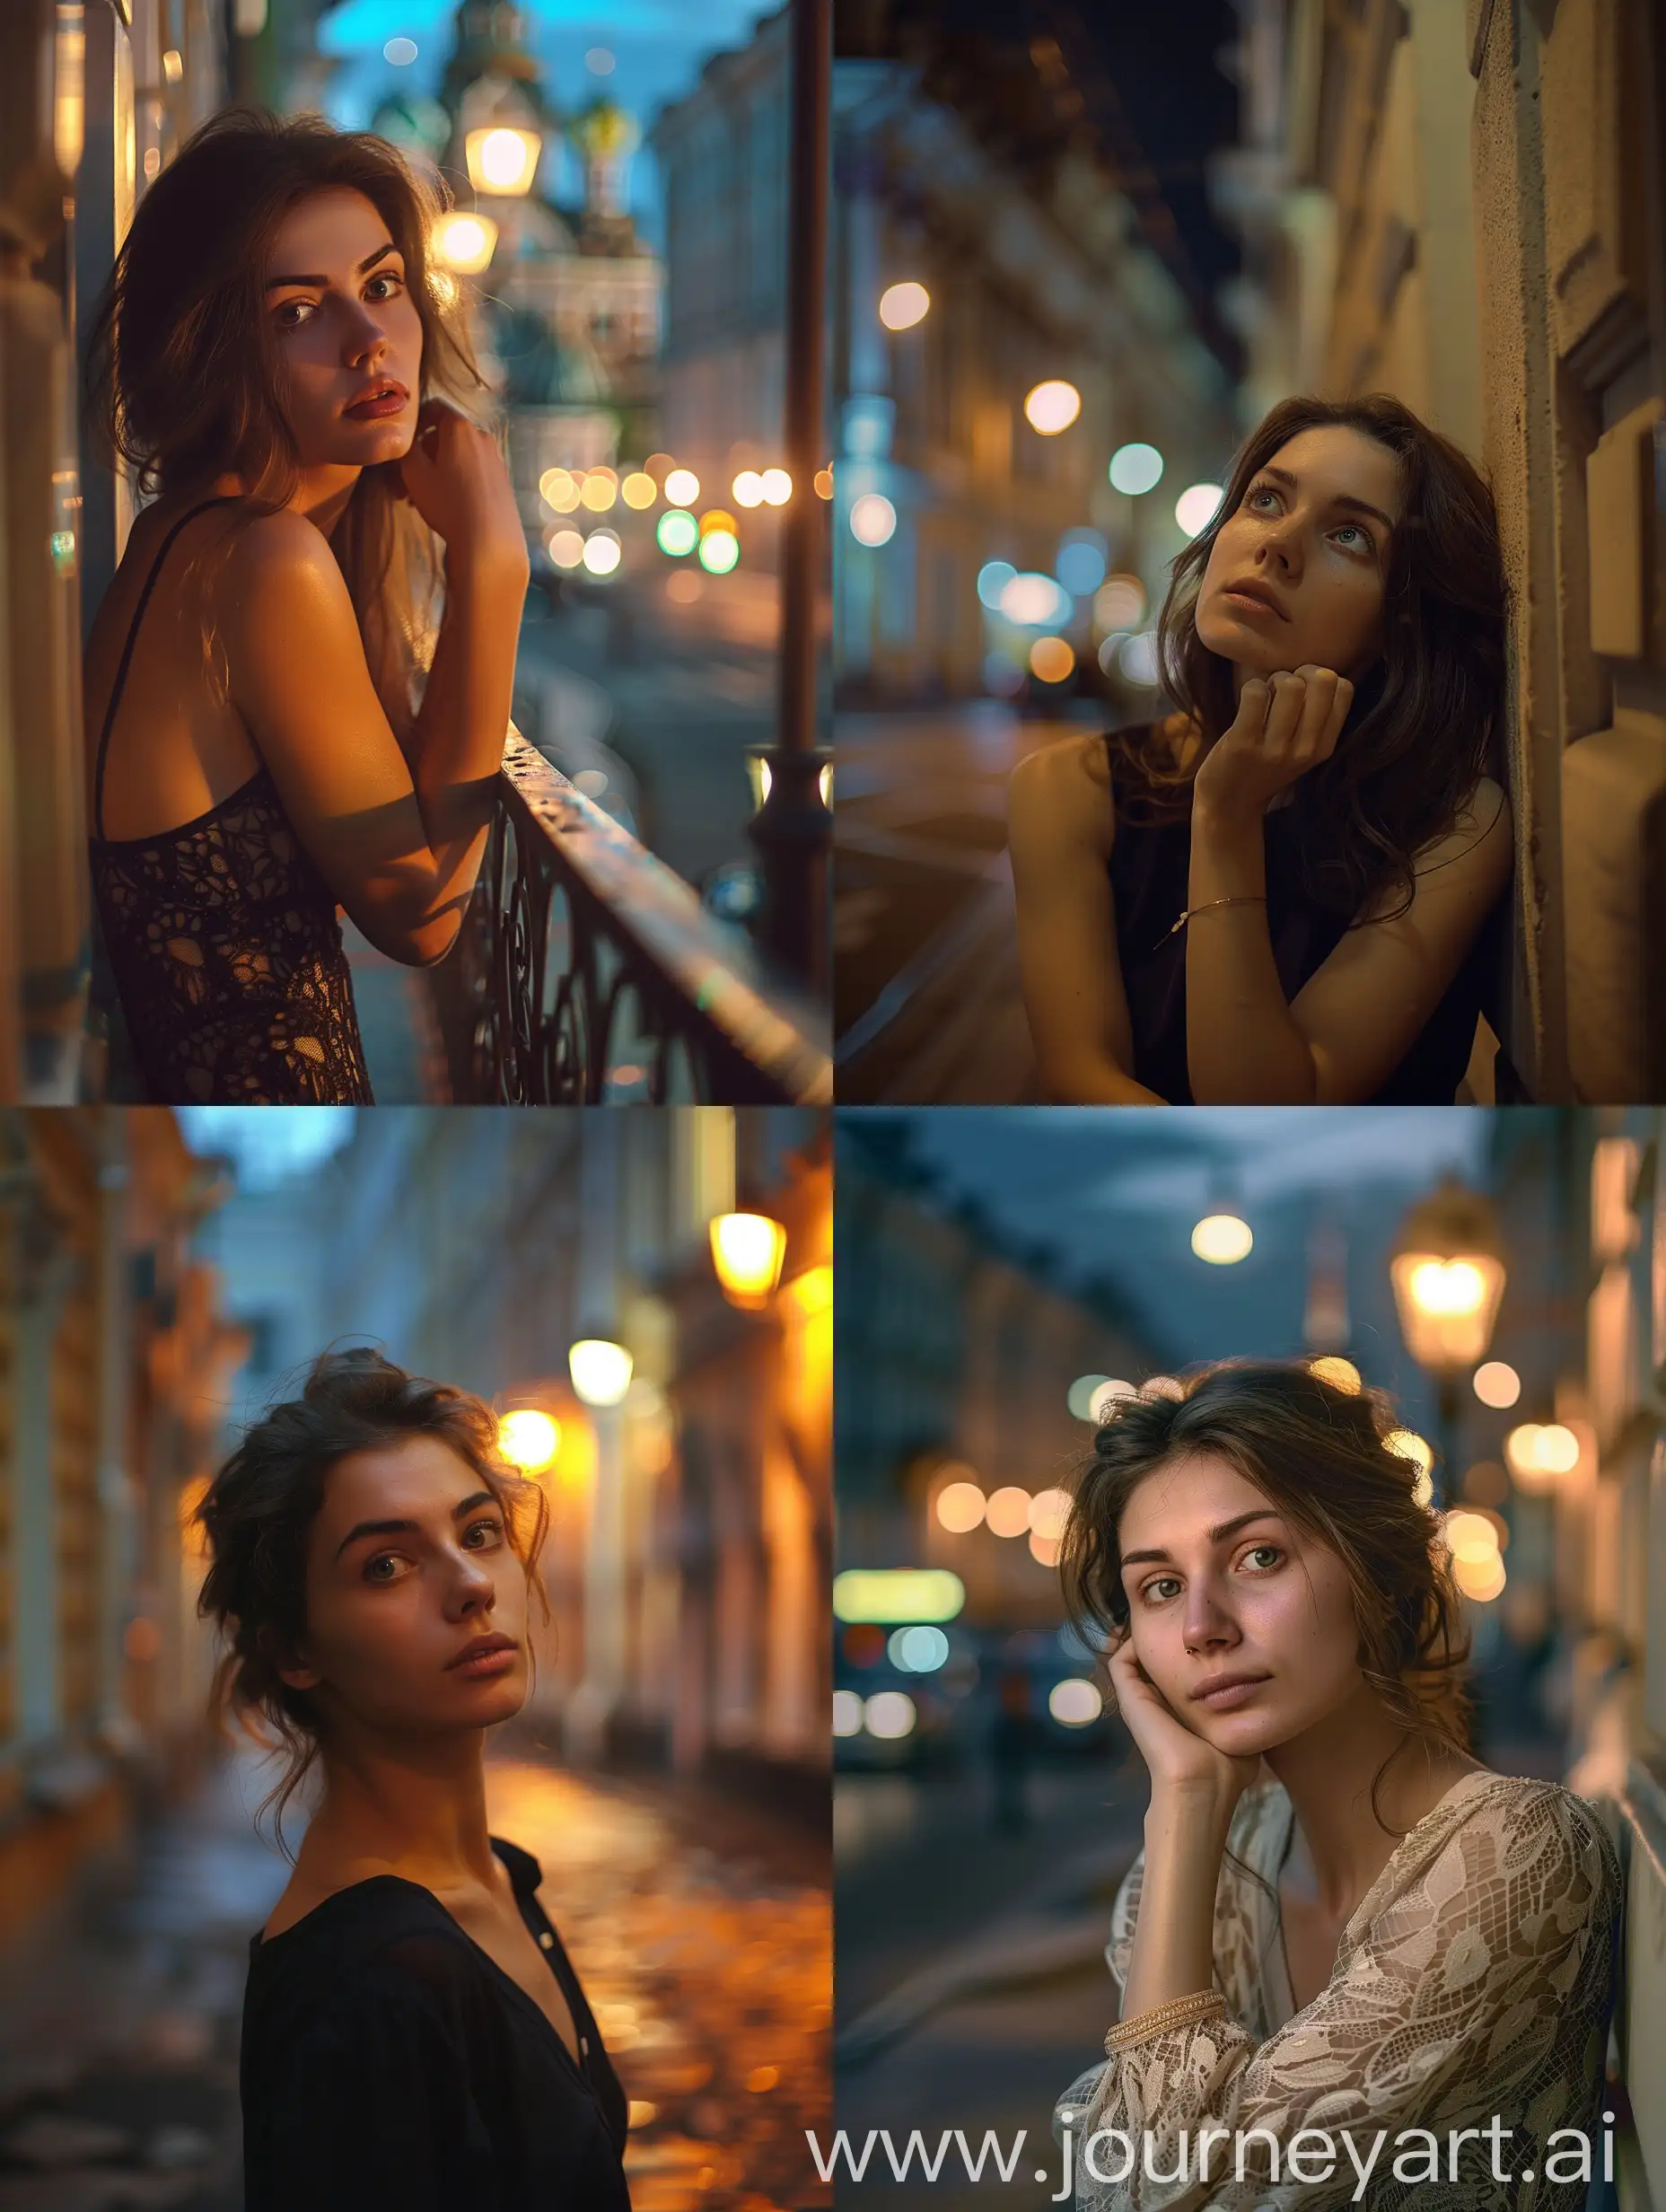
<point x="588" y="973"/>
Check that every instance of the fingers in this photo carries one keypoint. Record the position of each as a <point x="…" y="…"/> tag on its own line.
<point x="1306" y="709"/>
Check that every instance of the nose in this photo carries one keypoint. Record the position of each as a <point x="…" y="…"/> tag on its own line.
<point x="1207" y="1626"/>
<point x="363" y="339"/>
<point x="1282" y="543"/>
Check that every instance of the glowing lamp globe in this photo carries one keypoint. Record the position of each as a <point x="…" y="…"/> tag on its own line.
<point x="747" y="1250"/>
<point x="502" y="159"/>
<point x="600" y="1370"/>
<point x="529" y="1439"/>
<point x="464" y="243"/>
<point x="1448" y="1274"/>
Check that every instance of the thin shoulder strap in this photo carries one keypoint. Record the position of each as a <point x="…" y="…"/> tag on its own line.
<point x="226" y="499"/>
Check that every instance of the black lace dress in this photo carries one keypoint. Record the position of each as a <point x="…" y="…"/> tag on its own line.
<point x="224" y="944"/>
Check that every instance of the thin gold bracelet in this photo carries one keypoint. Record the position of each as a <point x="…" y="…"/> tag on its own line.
<point x="1243" y="898"/>
<point x="1159" y="2019"/>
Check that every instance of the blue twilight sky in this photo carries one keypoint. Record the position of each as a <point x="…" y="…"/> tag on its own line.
<point x="268" y="1145"/>
<point x="659" y="47"/>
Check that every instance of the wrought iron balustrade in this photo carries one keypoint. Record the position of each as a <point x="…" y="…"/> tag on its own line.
<point x="588" y="972"/>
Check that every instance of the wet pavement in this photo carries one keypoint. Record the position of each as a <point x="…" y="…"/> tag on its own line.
<point x="701" y="1930"/>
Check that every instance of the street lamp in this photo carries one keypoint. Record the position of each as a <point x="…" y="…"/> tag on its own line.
<point x="502" y="158"/>
<point x="464" y="241"/>
<point x="600" y="1370"/>
<point x="1448" y="1274"/>
<point x="747" y="1252"/>
<point x="529" y="1440"/>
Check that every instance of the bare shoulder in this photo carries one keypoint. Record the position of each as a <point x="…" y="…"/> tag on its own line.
<point x="1062" y="793"/>
<point x="268" y="550"/>
<point x="1477" y="851"/>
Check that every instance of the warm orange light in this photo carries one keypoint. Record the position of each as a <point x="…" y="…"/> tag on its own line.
<point x="529" y="1439"/>
<point x="1051" y="660"/>
<point x="747" y="1252"/>
<point x="823" y="482"/>
<point x="502" y="159"/>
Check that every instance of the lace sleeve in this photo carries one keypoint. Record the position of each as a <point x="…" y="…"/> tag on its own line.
<point x="1482" y="1988"/>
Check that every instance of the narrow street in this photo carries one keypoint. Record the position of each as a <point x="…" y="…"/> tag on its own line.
<point x="701" y="1931"/>
<point x="928" y="1009"/>
<point x="972" y="1982"/>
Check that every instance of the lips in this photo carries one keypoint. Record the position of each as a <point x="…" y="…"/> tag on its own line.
<point x="386" y="396"/>
<point x="480" y="1648"/>
<point x="1258" y="592"/>
<point x="1218" y="1683"/>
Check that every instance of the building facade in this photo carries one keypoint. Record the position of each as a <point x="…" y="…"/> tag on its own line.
<point x="112" y="1347"/>
<point x="1463" y="206"/>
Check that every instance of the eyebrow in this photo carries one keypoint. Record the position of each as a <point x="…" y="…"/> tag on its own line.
<point x="1341" y="500"/>
<point x="1216" y="1535"/>
<point x="401" y="1528"/>
<point x="369" y="262"/>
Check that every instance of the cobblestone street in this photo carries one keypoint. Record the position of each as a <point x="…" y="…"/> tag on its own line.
<point x="703" y="1934"/>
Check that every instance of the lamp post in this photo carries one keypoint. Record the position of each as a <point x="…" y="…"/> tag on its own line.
<point x="1448" y="1274"/>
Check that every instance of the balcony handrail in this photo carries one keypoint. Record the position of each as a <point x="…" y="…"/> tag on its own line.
<point x="524" y="1028"/>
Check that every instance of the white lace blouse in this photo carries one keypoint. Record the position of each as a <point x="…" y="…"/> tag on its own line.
<point x="1475" y="1977"/>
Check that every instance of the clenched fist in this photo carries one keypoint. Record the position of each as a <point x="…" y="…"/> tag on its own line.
<point x="1285" y="725"/>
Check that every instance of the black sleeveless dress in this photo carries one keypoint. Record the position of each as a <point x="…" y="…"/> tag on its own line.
<point x="1150" y="869"/>
<point x="224" y="945"/>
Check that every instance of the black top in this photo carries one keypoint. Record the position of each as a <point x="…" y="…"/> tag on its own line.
<point x="1149" y="870"/>
<point x="224" y="944"/>
<point x="389" y="2065"/>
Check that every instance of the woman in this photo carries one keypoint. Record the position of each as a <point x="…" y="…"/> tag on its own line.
<point x="413" y="2036"/>
<point x="280" y="364"/>
<point x="1340" y="1921"/>
<point x="1276" y="894"/>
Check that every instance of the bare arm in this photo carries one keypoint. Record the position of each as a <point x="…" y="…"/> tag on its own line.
<point x="1351" y="1023"/>
<point x="394" y="817"/>
<point x="1061" y="821"/>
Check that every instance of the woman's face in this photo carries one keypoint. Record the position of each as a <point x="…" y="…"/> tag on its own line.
<point x="346" y="327"/>
<point x="390" y="1607"/>
<point x="1309" y="546"/>
<point x="1218" y="1582"/>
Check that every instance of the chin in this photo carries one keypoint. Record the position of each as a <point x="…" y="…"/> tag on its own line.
<point x="1245" y="644"/>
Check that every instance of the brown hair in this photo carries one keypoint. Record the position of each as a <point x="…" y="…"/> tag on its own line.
<point x="1423" y="724"/>
<point x="184" y="376"/>
<point x="1320" y="1454"/>
<point x="258" y="1513"/>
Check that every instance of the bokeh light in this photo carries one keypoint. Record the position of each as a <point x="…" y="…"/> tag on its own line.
<point x="823" y="482"/>
<point x="1222" y="1240"/>
<point x="1195" y="509"/>
<point x="1341" y="1374"/>
<point x="1407" y="1444"/>
<point x="1032" y="600"/>
<point x="558" y="490"/>
<point x="917" y="1650"/>
<point x="1079" y="1398"/>
<point x="1075" y="1703"/>
<point x="639" y="489"/>
<point x="1482" y="1580"/>
<point x="1107" y="1395"/>
<point x="1053" y="406"/>
<point x="602" y="553"/>
<point x="1051" y="660"/>
<point x="720" y="549"/>
<point x="777" y="486"/>
<point x="400" y="52"/>
<point x="872" y="519"/>
<point x="599" y="489"/>
<point x="682" y="488"/>
<point x="1049" y="1512"/>
<point x="529" y="1439"/>
<point x="1135" y="468"/>
<point x="902" y="305"/>
<point x="464" y="243"/>
<point x="566" y="548"/>
<point x="677" y="532"/>
<point x="1497" y="1385"/>
<point x="1119" y="603"/>
<point x="1137" y="662"/>
<point x="847" y="1712"/>
<point x="960" y="1506"/>
<point x="890" y="1715"/>
<point x="1007" y="1511"/>
<point x="748" y="489"/>
<point x="1081" y="563"/>
<point x="993" y="579"/>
